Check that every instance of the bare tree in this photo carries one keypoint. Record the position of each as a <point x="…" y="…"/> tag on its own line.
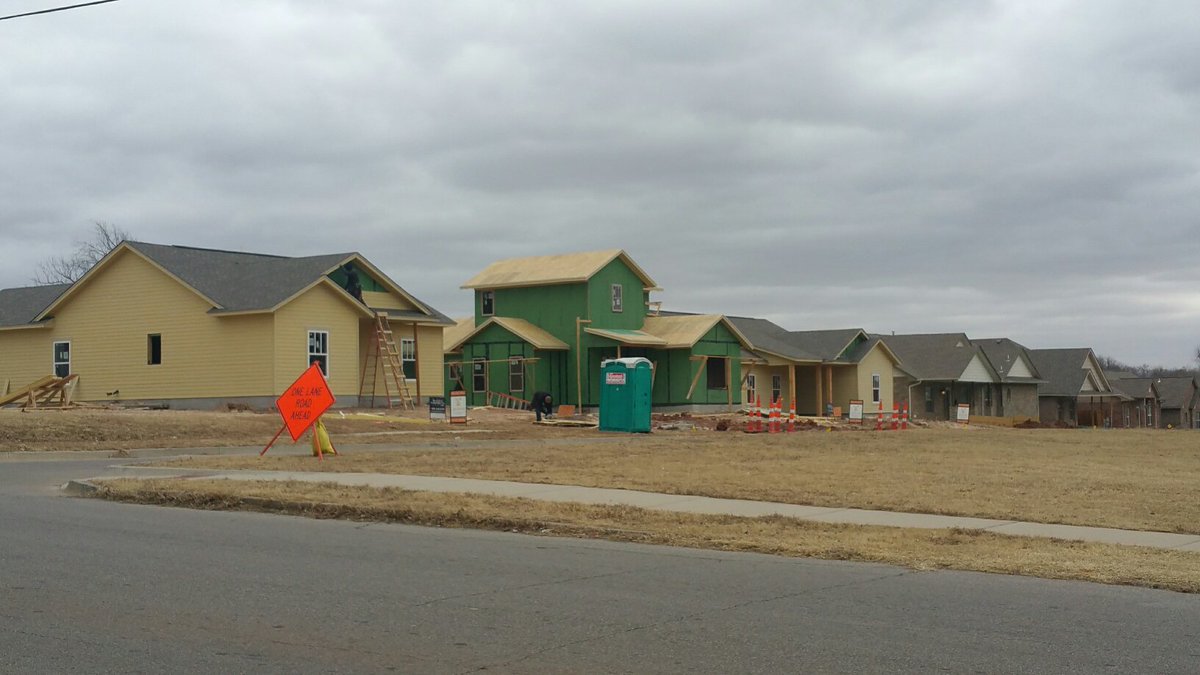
<point x="68" y="268"/>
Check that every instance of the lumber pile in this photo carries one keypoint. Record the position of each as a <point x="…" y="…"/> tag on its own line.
<point x="48" y="392"/>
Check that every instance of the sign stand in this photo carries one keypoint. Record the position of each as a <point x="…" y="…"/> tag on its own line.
<point x="301" y="407"/>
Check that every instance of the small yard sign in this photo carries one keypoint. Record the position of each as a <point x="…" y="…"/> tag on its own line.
<point x="437" y="407"/>
<point x="458" y="407"/>
<point x="856" y="412"/>
<point x="964" y="413"/>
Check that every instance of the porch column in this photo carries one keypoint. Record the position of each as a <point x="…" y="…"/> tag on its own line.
<point x="820" y="392"/>
<point x="792" y="385"/>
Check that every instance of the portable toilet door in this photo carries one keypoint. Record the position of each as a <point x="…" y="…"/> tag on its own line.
<point x="625" y="395"/>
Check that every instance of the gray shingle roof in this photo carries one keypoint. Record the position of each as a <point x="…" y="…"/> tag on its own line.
<point x="1176" y="392"/>
<point x="770" y="337"/>
<point x="19" y="306"/>
<point x="240" y="281"/>
<point x="936" y="356"/>
<point x="826" y="344"/>
<point x="252" y="281"/>
<point x="1002" y="354"/>
<point x="1134" y="387"/>
<point x="1063" y="370"/>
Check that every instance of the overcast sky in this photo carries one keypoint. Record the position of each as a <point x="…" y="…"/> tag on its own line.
<point x="1021" y="169"/>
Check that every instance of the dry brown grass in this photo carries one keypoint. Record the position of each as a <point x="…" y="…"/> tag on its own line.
<point x="917" y="549"/>
<point x="1125" y="479"/>
<point x="113" y="429"/>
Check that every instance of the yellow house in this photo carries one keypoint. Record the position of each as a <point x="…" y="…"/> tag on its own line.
<point x="198" y="328"/>
<point x="818" y="369"/>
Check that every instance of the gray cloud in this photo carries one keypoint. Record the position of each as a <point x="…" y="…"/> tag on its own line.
<point x="1002" y="168"/>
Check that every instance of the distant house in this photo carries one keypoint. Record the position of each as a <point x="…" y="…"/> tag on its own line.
<point x="1072" y="377"/>
<point x="547" y="322"/>
<point x="1141" y="409"/>
<point x="819" y="370"/>
<point x="197" y="328"/>
<point x="1019" y="377"/>
<point x="940" y="371"/>
<point x="1179" y="402"/>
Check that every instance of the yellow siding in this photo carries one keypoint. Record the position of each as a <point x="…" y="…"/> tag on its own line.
<point x="430" y="361"/>
<point x="854" y="382"/>
<point x="846" y="388"/>
<point x="762" y="376"/>
<point x="108" y="320"/>
<point x="24" y="357"/>
<point x="383" y="300"/>
<point x="324" y="309"/>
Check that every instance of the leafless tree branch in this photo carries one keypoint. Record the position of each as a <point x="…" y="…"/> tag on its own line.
<point x="68" y="268"/>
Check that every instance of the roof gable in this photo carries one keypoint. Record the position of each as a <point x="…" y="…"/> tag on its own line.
<point x="1067" y="371"/>
<point x="976" y="371"/>
<point x="237" y="282"/>
<point x="567" y="268"/>
<point x="935" y="356"/>
<point x="463" y="332"/>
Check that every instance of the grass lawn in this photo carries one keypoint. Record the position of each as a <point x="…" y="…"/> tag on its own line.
<point x="1124" y="479"/>
<point x="918" y="549"/>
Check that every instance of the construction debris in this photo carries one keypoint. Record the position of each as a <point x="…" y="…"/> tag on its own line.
<point x="48" y="392"/>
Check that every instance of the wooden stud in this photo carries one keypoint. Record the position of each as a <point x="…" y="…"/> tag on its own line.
<point x="696" y="380"/>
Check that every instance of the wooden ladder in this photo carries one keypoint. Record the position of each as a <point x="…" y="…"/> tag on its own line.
<point x="382" y="351"/>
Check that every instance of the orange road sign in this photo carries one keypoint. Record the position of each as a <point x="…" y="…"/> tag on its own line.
<point x="304" y="401"/>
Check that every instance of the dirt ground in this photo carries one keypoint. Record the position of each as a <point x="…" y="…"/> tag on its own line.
<point x="1124" y="479"/>
<point x="130" y="429"/>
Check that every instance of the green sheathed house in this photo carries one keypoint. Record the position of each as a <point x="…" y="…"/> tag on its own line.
<point x="546" y="323"/>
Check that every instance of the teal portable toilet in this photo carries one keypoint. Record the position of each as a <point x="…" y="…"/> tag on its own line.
<point x="625" y="386"/>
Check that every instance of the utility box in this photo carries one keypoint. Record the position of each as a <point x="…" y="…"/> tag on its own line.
<point x="625" y="386"/>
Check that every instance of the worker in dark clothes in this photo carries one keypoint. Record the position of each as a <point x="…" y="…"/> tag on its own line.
<point x="352" y="283"/>
<point x="542" y="404"/>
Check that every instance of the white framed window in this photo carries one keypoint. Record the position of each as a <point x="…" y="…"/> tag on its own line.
<point x="875" y="388"/>
<point x="776" y="387"/>
<point x="318" y="350"/>
<point x="62" y="358"/>
<point x="479" y="376"/>
<point x="487" y="303"/>
<point x="617" y="300"/>
<point x="408" y="357"/>
<point x="751" y="389"/>
<point x="516" y="375"/>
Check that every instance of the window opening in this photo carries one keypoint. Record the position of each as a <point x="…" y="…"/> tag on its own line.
<point x="479" y="376"/>
<point x="154" y="349"/>
<point x="875" y="397"/>
<point x="62" y="359"/>
<point x="716" y="373"/>
<point x="776" y="387"/>
<point x="408" y="357"/>
<point x="487" y="300"/>
<point x="516" y="375"/>
<point x="617" y="303"/>
<point x="318" y="350"/>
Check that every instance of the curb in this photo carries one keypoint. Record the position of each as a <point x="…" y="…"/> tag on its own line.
<point x="80" y="488"/>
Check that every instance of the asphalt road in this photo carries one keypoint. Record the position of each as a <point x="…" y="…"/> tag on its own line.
<point x="91" y="586"/>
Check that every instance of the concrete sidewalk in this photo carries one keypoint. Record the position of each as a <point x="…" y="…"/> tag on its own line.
<point x="688" y="504"/>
